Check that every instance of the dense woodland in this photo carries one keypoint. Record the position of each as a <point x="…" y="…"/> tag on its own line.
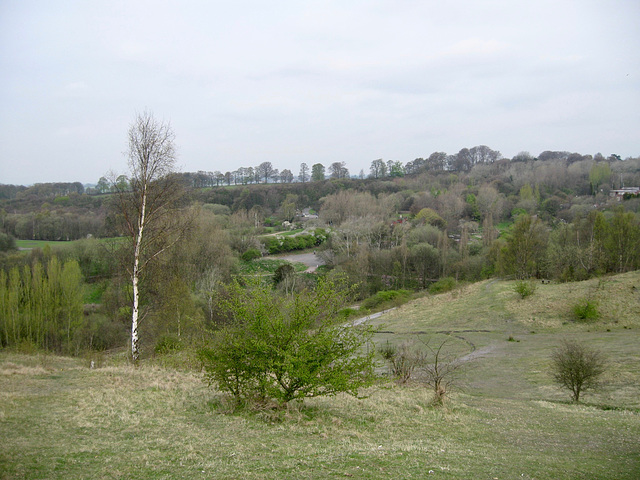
<point x="462" y="217"/>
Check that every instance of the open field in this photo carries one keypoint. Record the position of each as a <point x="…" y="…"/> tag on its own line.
<point x="61" y="419"/>
<point x="31" y="244"/>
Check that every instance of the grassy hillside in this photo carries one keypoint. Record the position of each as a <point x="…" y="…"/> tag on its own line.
<point x="61" y="419"/>
<point x="511" y="338"/>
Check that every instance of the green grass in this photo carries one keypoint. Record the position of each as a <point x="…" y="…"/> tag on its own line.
<point x="290" y="233"/>
<point x="63" y="420"/>
<point x="93" y="292"/>
<point x="29" y="244"/>
<point x="504" y="227"/>
<point x="60" y="419"/>
<point x="479" y="319"/>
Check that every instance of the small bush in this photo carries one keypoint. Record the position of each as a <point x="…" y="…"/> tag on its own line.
<point x="577" y="367"/>
<point x="168" y="344"/>
<point x="251" y="254"/>
<point x="402" y="360"/>
<point x="7" y="242"/>
<point x="347" y="313"/>
<point x="445" y="284"/>
<point x="280" y="349"/>
<point x="524" y="288"/>
<point x="395" y="297"/>
<point x="586" y="310"/>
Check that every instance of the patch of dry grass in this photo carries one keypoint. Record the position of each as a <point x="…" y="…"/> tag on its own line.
<point x="492" y="304"/>
<point x="552" y="304"/>
<point x="149" y="422"/>
<point x="512" y="338"/>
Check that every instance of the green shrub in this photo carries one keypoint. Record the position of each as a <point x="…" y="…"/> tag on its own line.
<point x="251" y="254"/>
<point x="283" y="272"/>
<point x="7" y="242"/>
<point x="443" y="285"/>
<point x="395" y="297"/>
<point x="347" y="313"/>
<point x="586" y="310"/>
<point x="102" y="333"/>
<point x="516" y="212"/>
<point x="524" y="288"/>
<point x="287" y="348"/>
<point x="168" y="344"/>
<point x="430" y="216"/>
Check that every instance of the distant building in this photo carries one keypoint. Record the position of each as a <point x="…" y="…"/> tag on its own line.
<point x="620" y="193"/>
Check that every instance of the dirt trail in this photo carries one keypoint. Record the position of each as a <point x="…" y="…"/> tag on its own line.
<point x="360" y="321"/>
<point x="311" y="260"/>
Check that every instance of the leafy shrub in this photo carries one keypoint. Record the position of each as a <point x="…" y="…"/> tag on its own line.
<point x="586" y="310"/>
<point x="7" y="242"/>
<point x="102" y="333"/>
<point x="347" y="313"/>
<point x="516" y="212"/>
<point x="443" y="285"/>
<point x="395" y="297"/>
<point x="287" y="348"/>
<point x="430" y="216"/>
<point x="524" y="288"/>
<point x="283" y="272"/>
<point x="251" y="254"/>
<point x="168" y="344"/>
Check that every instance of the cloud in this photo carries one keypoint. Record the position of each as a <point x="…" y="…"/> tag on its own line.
<point x="76" y="90"/>
<point x="248" y="81"/>
<point x="475" y="47"/>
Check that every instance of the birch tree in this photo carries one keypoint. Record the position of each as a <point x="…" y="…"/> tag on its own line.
<point x="148" y="206"/>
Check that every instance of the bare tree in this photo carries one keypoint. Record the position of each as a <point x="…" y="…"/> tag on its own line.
<point x="147" y="207"/>
<point x="440" y="372"/>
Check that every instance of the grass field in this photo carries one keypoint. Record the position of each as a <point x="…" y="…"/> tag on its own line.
<point x="480" y="320"/>
<point x="29" y="244"/>
<point x="61" y="419"/>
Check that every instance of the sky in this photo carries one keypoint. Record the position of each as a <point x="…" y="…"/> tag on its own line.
<point x="245" y="81"/>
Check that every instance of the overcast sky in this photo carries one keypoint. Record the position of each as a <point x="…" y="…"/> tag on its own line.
<point x="247" y="81"/>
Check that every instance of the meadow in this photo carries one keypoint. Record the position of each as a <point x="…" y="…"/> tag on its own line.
<point x="59" y="418"/>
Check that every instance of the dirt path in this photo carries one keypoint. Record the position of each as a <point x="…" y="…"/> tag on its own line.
<point x="360" y="321"/>
<point x="480" y="352"/>
<point x="311" y="260"/>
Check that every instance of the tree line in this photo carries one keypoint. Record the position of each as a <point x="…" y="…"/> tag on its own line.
<point x="185" y="237"/>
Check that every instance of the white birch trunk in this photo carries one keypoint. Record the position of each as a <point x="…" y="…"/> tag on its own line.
<point x="151" y="158"/>
<point x="135" y="350"/>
